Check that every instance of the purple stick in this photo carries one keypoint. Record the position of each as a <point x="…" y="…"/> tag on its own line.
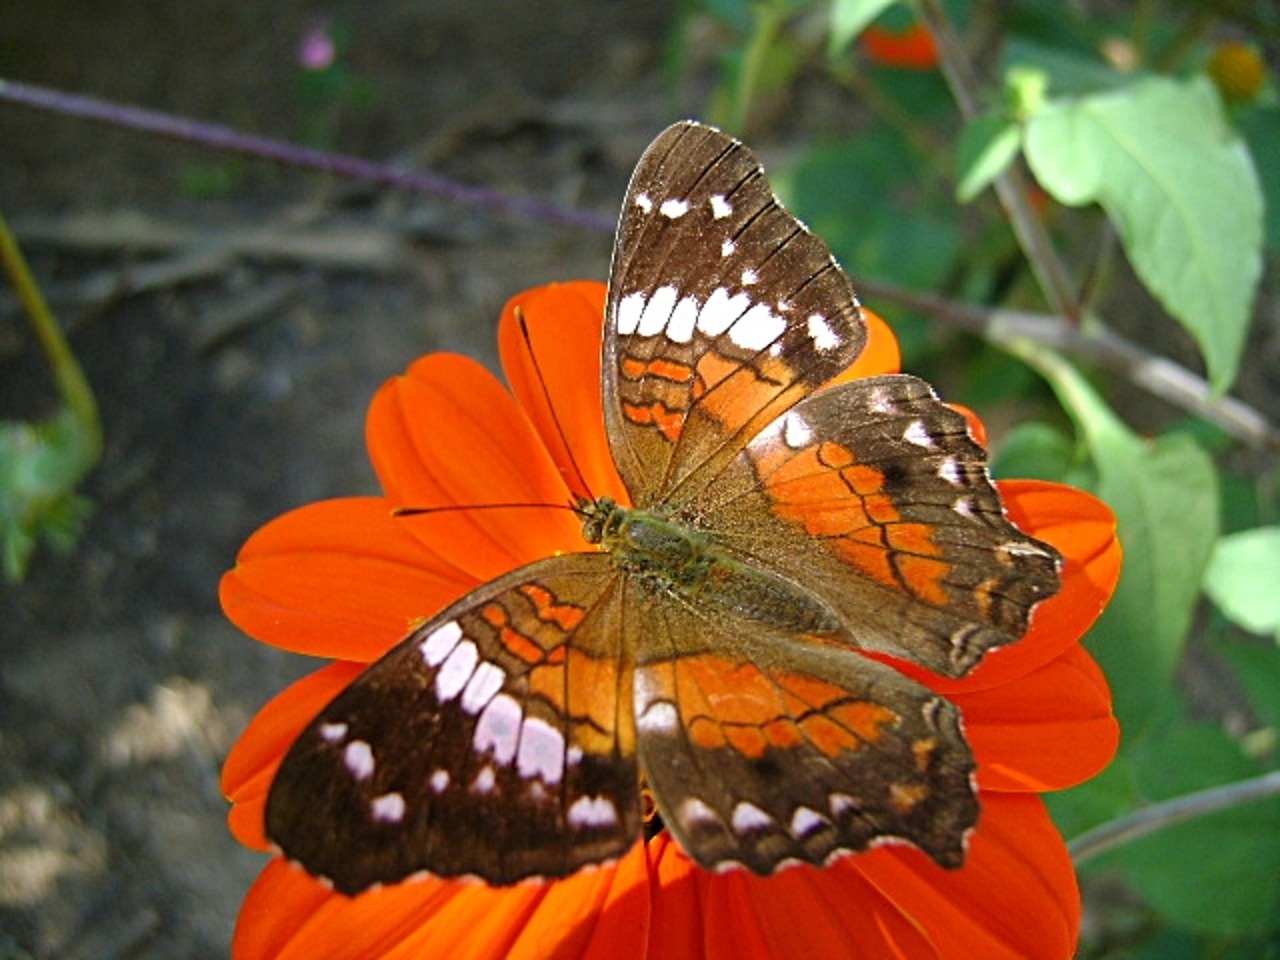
<point x="220" y="137"/>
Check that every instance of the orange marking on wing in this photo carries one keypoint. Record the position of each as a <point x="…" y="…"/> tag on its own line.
<point x="521" y="646"/>
<point x="495" y="615"/>
<point x="924" y="576"/>
<point x="783" y="733"/>
<point x="864" y="719"/>
<point x="923" y="750"/>
<point x="748" y="741"/>
<point x="904" y="798"/>
<point x="668" y="422"/>
<point x="881" y="509"/>
<point x="706" y="733"/>
<point x="588" y="691"/>
<point x="566" y="616"/>
<point x="660" y="367"/>
<point x="873" y="561"/>
<point x="913" y="538"/>
<point x="827" y="736"/>
<point x="863" y="480"/>
<point x="834" y="456"/>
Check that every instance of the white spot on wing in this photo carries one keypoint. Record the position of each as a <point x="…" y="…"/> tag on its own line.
<point x="720" y="207"/>
<point x="484" y="780"/>
<point x="918" y="434"/>
<point x="694" y="811"/>
<point x="805" y="821"/>
<point x="456" y="671"/>
<point x="358" y="758"/>
<point x="796" y="431"/>
<point x="949" y="470"/>
<point x="820" y="332"/>
<point x="842" y="803"/>
<point x="757" y="328"/>
<point x="728" y="248"/>
<point x="749" y="277"/>
<point x="748" y="817"/>
<point x="880" y="402"/>
<point x="674" y="208"/>
<point x="439" y="780"/>
<point x="541" y="751"/>
<point x="964" y="507"/>
<point x="658" y="310"/>
<point x="440" y="643"/>
<point x="720" y="311"/>
<point x="630" y="308"/>
<point x="660" y="717"/>
<point x="643" y="202"/>
<point x="483" y="685"/>
<point x="498" y="728"/>
<point x="388" y="808"/>
<point x="683" y="319"/>
<point x="592" y="812"/>
<point x="332" y="732"/>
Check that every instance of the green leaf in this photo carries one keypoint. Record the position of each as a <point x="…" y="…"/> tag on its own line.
<point x="1257" y="667"/>
<point x="1164" y="494"/>
<point x="1242" y="579"/>
<point x="987" y="146"/>
<point x="1035" y="451"/>
<point x="847" y="192"/>
<point x="1261" y="128"/>
<point x="1182" y="191"/>
<point x="40" y="466"/>
<point x="1216" y="873"/>
<point x="849" y="18"/>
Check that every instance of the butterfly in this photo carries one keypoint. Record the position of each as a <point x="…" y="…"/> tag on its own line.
<point x="713" y="659"/>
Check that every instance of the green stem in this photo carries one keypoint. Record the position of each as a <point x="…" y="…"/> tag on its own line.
<point x="71" y="381"/>
<point x="1095" y="842"/>
<point x="768" y="18"/>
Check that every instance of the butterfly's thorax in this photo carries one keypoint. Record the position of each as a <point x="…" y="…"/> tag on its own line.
<point x="669" y="556"/>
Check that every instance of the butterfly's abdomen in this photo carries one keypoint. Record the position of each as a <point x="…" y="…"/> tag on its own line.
<point x="670" y="557"/>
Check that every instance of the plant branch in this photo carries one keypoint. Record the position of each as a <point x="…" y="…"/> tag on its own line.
<point x="72" y="383"/>
<point x="1155" y="374"/>
<point x="1010" y="185"/>
<point x="1093" y="843"/>
<point x="218" y="137"/>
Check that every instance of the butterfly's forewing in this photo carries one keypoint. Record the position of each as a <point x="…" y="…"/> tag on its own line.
<point x="776" y="749"/>
<point x="723" y="310"/>
<point x="497" y="741"/>
<point x="874" y="495"/>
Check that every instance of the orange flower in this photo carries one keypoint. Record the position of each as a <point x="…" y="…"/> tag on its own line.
<point x="909" y="49"/>
<point x="345" y="579"/>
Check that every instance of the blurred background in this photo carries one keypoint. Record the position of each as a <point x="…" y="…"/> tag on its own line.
<point x="233" y="318"/>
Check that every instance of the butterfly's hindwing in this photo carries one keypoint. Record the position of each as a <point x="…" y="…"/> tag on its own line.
<point x="496" y="741"/>
<point x="723" y="310"/>
<point x="774" y="750"/>
<point x="874" y="495"/>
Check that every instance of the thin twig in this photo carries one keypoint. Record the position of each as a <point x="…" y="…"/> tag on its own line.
<point x="1155" y="374"/>
<point x="1010" y="185"/>
<point x="1093" y="843"/>
<point x="218" y="137"/>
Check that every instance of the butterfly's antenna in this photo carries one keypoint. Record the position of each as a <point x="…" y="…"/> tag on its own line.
<point x="546" y="395"/>
<point x="468" y="507"/>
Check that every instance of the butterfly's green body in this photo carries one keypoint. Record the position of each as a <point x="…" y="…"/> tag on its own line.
<point x="672" y="558"/>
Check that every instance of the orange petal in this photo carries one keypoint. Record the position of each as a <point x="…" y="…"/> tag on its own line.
<point x="447" y="434"/>
<point x="339" y="578"/>
<point x="1051" y="729"/>
<point x="1084" y="531"/>
<point x="704" y="916"/>
<point x="456" y="919"/>
<point x="880" y="355"/>
<point x="553" y="366"/>
<point x="1015" y="896"/>
<point x="251" y="764"/>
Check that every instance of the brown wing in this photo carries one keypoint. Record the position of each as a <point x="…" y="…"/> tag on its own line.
<point x="723" y="310"/>
<point x="874" y="496"/>
<point x="773" y="749"/>
<point x="498" y="741"/>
